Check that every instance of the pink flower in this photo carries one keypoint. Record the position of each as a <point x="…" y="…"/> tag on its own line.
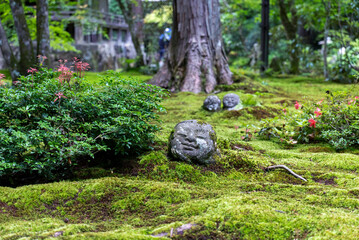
<point x="318" y="112"/>
<point x="312" y="122"/>
<point x="297" y="105"/>
<point x="284" y="111"/>
<point x="41" y="59"/>
<point x="320" y="102"/>
<point x="356" y="97"/>
<point x="2" y="76"/>
<point x="32" y="70"/>
<point x="350" y="102"/>
<point x="80" y="66"/>
<point x="66" y="73"/>
<point x="59" y="96"/>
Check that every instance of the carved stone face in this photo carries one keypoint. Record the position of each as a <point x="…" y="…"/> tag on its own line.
<point x="230" y="101"/>
<point x="193" y="142"/>
<point x="212" y="103"/>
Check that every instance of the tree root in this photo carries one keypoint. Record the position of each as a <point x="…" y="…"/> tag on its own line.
<point x="270" y="168"/>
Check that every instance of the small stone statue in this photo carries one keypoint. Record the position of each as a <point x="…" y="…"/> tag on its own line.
<point x="230" y="101"/>
<point x="193" y="142"/>
<point x="212" y="103"/>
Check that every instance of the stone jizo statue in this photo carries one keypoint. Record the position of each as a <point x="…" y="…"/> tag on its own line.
<point x="230" y="101"/>
<point x="193" y="142"/>
<point x="212" y="103"/>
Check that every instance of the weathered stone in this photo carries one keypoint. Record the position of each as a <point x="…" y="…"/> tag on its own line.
<point x="193" y="142"/>
<point x="58" y="234"/>
<point x="212" y="103"/>
<point x="230" y="101"/>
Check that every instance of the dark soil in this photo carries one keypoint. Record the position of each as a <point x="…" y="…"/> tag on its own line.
<point x="329" y="181"/>
<point x="257" y="112"/>
<point x="286" y="102"/>
<point x="241" y="147"/>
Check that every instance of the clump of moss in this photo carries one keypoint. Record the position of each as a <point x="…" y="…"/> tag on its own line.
<point x="92" y="172"/>
<point x="257" y="112"/>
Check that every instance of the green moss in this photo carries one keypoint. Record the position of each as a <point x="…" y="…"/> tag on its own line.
<point x="233" y="198"/>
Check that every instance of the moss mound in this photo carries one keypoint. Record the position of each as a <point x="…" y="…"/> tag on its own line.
<point x="233" y="199"/>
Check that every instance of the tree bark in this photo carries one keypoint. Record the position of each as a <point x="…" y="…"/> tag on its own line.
<point x="326" y="34"/>
<point x="8" y="55"/>
<point x="290" y="27"/>
<point x="196" y="60"/>
<point x="133" y="14"/>
<point x="42" y="25"/>
<point x="27" y="57"/>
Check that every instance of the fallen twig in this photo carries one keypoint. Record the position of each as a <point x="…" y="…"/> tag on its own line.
<point x="270" y="168"/>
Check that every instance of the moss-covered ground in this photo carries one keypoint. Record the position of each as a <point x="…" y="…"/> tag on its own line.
<point x="234" y="199"/>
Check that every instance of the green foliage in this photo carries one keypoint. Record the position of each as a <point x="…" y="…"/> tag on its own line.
<point x="333" y="120"/>
<point x="162" y="16"/>
<point x="347" y="58"/>
<point x="46" y="125"/>
<point x="60" y="39"/>
<point x="240" y="30"/>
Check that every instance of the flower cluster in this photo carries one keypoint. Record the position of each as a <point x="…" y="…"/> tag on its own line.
<point x="80" y="67"/>
<point x="59" y="96"/>
<point x="334" y="120"/>
<point x="41" y="59"/>
<point x="32" y="70"/>
<point x="65" y="74"/>
<point x="317" y="113"/>
<point x="2" y="83"/>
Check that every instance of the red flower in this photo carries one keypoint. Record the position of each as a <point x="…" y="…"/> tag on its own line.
<point x="297" y="105"/>
<point x="32" y="70"/>
<point x="284" y="110"/>
<point x="59" y="96"/>
<point x="318" y="112"/>
<point x="312" y="122"/>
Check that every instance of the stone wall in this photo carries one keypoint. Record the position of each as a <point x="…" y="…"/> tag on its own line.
<point x="101" y="56"/>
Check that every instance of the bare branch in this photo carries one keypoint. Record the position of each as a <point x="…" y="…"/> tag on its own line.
<point x="270" y="168"/>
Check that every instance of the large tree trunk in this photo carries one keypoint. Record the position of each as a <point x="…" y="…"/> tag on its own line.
<point x="290" y="27"/>
<point x="133" y="14"/>
<point x="9" y="57"/>
<point x="27" y="56"/>
<point x="42" y="25"/>
<point x="327" y="7"/>
<point x="196" y="60"/>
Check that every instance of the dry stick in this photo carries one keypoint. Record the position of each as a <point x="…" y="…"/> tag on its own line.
<point x="286" y="168"/>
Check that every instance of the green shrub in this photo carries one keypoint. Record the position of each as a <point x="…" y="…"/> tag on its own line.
<point x="334" y="120"/>
<point x="46" y="125"/>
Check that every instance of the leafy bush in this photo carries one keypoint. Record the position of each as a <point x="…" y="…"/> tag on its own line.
<point x="334" y="120"/>
<point x="46" y="124"/>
